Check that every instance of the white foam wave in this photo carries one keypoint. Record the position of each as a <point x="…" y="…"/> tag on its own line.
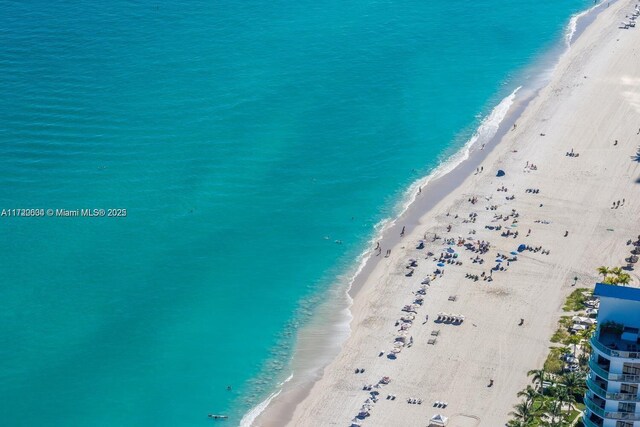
<point x="248" y="418"/>
<point x="573" y="23"/>
<point x="487" y="129"/>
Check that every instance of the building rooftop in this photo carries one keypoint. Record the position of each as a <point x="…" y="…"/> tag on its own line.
<point x="619" y="292"/>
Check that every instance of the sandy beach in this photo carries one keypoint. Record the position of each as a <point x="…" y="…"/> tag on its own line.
<point x="566" y="162"/>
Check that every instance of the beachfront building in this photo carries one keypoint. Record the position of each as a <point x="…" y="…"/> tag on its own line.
<point x="612" y="398"/>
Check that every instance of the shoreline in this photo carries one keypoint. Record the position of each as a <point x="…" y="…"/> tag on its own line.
<point x="281" y="404"/>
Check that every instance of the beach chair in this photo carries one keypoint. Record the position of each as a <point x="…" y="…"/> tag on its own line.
<point x="432" y="341"/>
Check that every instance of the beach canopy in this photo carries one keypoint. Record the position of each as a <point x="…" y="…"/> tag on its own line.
<point x="500" y="172"/>
<point x="438" y="420"/>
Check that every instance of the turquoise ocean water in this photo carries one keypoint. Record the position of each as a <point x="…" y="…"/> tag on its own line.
<point x="237" y="135"/>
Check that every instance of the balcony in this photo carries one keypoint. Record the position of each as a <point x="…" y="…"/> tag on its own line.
<point x="588" y="423"/>
<point x="598" y="369"/>
<point x="595" y="388"/>
<point x="593" y="407"/>
<point x="605" y="374"/>
<point x="628" y="416"/>
<point x="620" y="397"/>
<point x="614" y="346"/>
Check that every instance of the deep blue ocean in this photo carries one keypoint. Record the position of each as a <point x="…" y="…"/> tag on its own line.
<point x="243" y="138"/>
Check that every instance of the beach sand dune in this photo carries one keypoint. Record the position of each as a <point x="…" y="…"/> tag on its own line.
<point x="593" y="100"/>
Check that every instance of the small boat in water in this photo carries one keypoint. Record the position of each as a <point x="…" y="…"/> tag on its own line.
<point x="218" y="417"/>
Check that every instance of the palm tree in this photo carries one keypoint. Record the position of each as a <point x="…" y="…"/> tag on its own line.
<point x="529" y="393"/>
<point x="574" y="340"/>
<point x="554" y="412"/>
<point x="574" y="383"/>
<point x="616" y="270"/>
<point x="604" y="271"/>
<point x="538" y="376"/>
<point x="562" y="396"/>
<point x="522" y="411"/>
<point x="570" y="401"/>
<point x="623" y="279"/>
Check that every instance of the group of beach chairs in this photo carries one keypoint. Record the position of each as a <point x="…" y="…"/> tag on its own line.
<point x="631" y="23"/>
<point x="449" y="318"/>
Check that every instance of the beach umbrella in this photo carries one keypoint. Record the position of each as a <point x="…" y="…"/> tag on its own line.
<point x="450" y="250"/>
<point x="499" y="260"/>
<point x="522" y="247"/>
<point x="500" y="173"/>
<point x="514" y="253"/>
<point x="440" y="264"/>
<point x="438" y="420"/>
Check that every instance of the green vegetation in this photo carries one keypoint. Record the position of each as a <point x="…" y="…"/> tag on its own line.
<point x="555" y="397"/>
<point x="554" y="363"/>
<point x="552" y="402"/>
<point x="560" y="335"/>
<point x="614" y="276"/>
<point x="576" y="300"/>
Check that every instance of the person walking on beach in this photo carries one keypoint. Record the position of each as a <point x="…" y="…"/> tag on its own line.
<point x="388" y="253"/>
<point x="402" y="232"/>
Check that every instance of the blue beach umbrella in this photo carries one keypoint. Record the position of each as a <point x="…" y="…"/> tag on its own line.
<point x="514" y="253"/>
<point x="500" y="172"/>
<point x="440" y="264"/>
